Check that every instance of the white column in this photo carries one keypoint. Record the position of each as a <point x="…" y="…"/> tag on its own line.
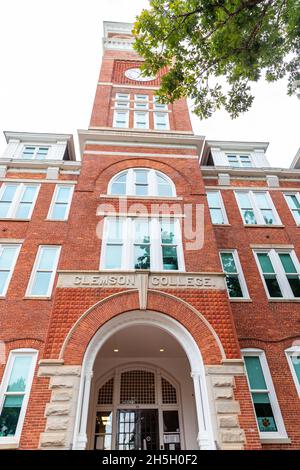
<point x="205" y="435"/>
<point x="80" y="440"/>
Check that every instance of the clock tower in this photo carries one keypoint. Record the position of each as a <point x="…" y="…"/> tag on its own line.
<point x="127" y="96"/>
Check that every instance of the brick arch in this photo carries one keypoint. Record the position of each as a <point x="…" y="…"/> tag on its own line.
<point x="88" y="324"/>
<point x="171" y="171"/>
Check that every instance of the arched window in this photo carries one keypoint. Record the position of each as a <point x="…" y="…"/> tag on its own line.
<point x="141" y="182"/>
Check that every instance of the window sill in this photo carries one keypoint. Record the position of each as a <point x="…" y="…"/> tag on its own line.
<point x="9" y="444"/>
<point x="32" y="297"/>
<point x="163" y="198"/>
<point x="55" y="220"/>
<point x="263" y="226"/>
<point x="240" y="300"/>
<point x="275" y="440"/>
<point x="221" y="225"/>
<point x="284" y="300"/>
<point x="15" y="220"/>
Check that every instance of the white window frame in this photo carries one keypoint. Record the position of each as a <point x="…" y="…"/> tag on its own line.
<point x="12" y="268"/>
<point x="159" y="106"/>
<point x="17" y="199"/>
<point x="285" y="288"/>
<point x="141" y="99"/>
<point x="221" y="207"/>
<point x="239" y="161"/>
<point x="281" y="431"/>
<point x="240" y="274"/>
<point x="152" y="183"/>
<point x="257" y="211"/>
<point x="36" y="147"/>
<point x="156" y="260"/>
<point x="126" y="112"/>
<point x="34" y="270"/>
<point x="54" y="198"/>
<point x="297" y="195"/>
<point x="289" y="353"/>
<point x="9" y="440"/>
<point x="122" y="98"/>
<point x="155" y="115"/>
<point x="136" y="114"/>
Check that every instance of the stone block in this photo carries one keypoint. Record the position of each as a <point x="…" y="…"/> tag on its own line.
<point x="57" y="423"/>
<point x="233" y="436"/>
<point x="49" y="439"/>
<point x="228" y="407"/>
<point x="57" y="410"/>
<point x="230" y="421"/>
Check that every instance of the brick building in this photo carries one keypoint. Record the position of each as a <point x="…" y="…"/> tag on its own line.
<point x="149" y="292"/>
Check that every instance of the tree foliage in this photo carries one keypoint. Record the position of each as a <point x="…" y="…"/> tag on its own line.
<point x="215" y="49"/>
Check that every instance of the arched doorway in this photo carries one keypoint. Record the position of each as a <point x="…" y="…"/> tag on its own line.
<point x="126" y="363"/>
<point x="137" y="407"/>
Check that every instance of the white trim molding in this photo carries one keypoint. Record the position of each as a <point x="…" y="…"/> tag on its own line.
<point x="294" y="352"/>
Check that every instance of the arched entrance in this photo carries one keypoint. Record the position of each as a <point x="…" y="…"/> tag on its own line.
<point x="138" y="350"/>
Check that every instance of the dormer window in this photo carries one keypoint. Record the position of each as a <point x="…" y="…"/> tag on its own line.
<point x="35" y="152"/>
<point x="238" y="161"/>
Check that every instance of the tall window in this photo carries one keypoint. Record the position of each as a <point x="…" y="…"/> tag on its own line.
<point x="236" y="284"/>
<point x="121" y="114"/>
<point x="43" y="273"/>
<point x="239" y="160"/>
<point x="280" y="271"/>
<point x="293" y="200"/>
<point x="61" y="202"/>
<point x="268" y="415"/>
<point x="8" y="258"/>
<point x="35" y="152"/>
<point x="256" y="207"/>
<point x="293" y="357"/>
<point x="158" y="106"/>
<point x="216" y="207"/>
<point x="141" y="182"/>
<point x="141" y="102"/>
<point x="141" y="120"/>
<point x="14" y="393"/>
<point x="142" y="243"/>
<point x="17" y="200"/>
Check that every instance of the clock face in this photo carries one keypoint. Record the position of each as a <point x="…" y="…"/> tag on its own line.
<point x="135" y="74"/>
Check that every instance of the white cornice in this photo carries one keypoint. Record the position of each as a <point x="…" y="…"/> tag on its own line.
<point x="112" y="136"/>
<point x="250" y="172"/>
<point x="233" y="144"/>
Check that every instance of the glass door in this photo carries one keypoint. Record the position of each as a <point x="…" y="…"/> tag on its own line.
<point x="137" y="430"/>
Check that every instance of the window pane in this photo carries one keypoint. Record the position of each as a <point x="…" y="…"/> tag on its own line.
<point x="142" y="231"/>
<point x="170" y="260"/>
<point x="3" y="278"/>
<point x="273" y="286"/>
<point x="249" y="217"/>
<point x="234" y="286"/>
<point x="255" y="373"/>
<point x="171" y="421"/>
<point x="41" y="283"/>
<point x="294" y="283"/>
<point x="141" y="190"/>
<point x="9" y="192"/>
<point x="115" y="230"/>
<point x="268" y="216"/>
<point x="296" y="364"/>
<point x="167" y="231"/>
<point x="264" y="412"/>
<point x="296" y="214"/>
<point x="293" y="201"/>
<point x="63" y="194"/>
<point x="287" y="263"/>
<point x="265" y="263"/>
<point x="228" y="263"/>
<point x="47" y="258"/>
<point x="103" y="430"/>
<point x="141" y="176"/>
<point x="23" y="210"/>
<point x="244" y="200"/>
<point x="7" y="254"/>
<point x="213" y="199"/>
<point x="262" y="200"/>
<point x="118" y="189"/>
<point x="19" y="374"/>
<point x="113" y="256"/>
<point x="163" y="186"/>
<point x="216" y="216"/>
<point x="10" y="415"/>
<point x="4" y="208"/>
<point x="29" y="194"/>
<point x="142" y="256"/>
<point x="59" y="211"/>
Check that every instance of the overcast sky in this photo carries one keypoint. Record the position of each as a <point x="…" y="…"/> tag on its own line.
<point x="50" y="57"/>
